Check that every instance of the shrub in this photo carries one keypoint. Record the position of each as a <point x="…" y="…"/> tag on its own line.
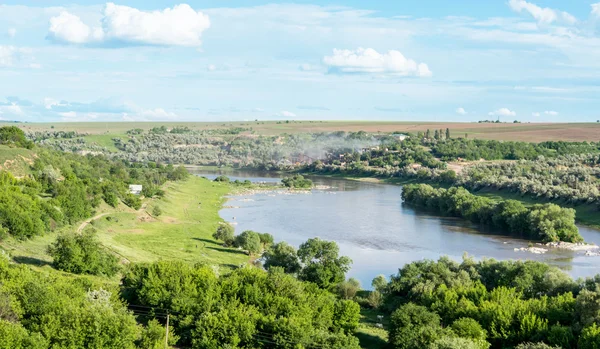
<point x="82" y="254"/>
<point x="156" y="211"/>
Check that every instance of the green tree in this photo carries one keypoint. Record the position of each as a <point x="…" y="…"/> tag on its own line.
<point x="447" y="133"/>
<point x="14" y="135"/>
<point x="348" y="289"/>
<point x="413" y="326"/>
<point x="250" y="241"/>
<point x="282" y="255"/>
<point x="379" y="283"/>
<point x="539" y="345"/>
<point x="322" y="263"/>
<point x="448" y="342"/>
<point x="82" y="254"/>
<point x="590" y="338"/>
<point x="225" y="233"/>
<point x="346" y="315"/>
<point x="156" y="211"/>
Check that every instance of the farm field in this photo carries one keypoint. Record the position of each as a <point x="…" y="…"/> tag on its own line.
<point x="532" y="132"/>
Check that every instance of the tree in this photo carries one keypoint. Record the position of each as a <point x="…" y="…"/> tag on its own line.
<point x="14" y="135"/>
<point x="468" y="328"/>
<point x="225" y="233"/>
<point x="266" y="240"/>
<point x="448" y="342"/>
<point x="379" y="283"/>
<point x="436" y="135"/>
<point x="539" y="345"/>
<point x="590" y="338"/>
<point x="447" y="133"/>
<point x="348" y="289"/>
<point x="413" y="326"/>
<point x="346" y="315"/>
<point x="250" y="241"/>
<point x="282" y="255"/>
<point x="428" y="134"/>
<point x="82" y="254"/>
<point x="322" y="263"/>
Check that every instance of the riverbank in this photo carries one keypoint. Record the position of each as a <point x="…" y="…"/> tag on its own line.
<point x="586" y="214"/>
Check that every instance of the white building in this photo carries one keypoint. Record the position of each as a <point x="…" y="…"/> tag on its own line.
<point x="135" y="189"/>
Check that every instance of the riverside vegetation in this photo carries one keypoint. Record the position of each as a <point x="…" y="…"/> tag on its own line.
<point x="297" y="299"/>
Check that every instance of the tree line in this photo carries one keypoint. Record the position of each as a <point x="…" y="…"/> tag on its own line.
<point x="542" y="222"/>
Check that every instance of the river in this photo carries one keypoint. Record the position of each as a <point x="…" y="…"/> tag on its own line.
<point x="376" y="230"/>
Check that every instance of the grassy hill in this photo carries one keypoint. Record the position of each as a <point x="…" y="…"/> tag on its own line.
<point x="16" y="160"/>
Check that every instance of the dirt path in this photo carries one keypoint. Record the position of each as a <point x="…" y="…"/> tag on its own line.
<point x="84" y="224"/>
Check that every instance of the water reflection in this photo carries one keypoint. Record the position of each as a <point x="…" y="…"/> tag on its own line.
<point x="380" y="234"/>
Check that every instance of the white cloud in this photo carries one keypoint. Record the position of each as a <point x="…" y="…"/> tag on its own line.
<point x="536" y="114"/>
<point x="596" y="9"/>
<point x="158" y="113"/>
<point x="68" y="114"/>
<point x="177" y="26"/>
<point x="11" y="32"/>
<point x="286" y="114"/>
<point x="11" y="109"/>
<point x="502" y="112"/>
<point x="7" y="54"/>
<point x="461" y="111"/>
<point x="211" y="67"/>
<point x="305" y="67"/>
<point x="543" y="15"/>
<point x="370" y="61"/>
<point x="69" y="28"/>
<point x="551" y="112"/>
<point x="258" y="110"/>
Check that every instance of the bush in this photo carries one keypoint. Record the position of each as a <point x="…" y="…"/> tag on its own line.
<point x="224" y="233"/>
<point x="297" y="181"/>
<point x="15" y="136"/>
<point x="82" y="254"/>
<point x="156" y="211"/>
<point x="223" y="179"/>
<point x="250" y="241"/>
<point x="132" y="201"/>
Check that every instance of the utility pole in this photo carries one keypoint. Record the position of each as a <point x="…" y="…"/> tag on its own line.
<point x="167" y="334"/>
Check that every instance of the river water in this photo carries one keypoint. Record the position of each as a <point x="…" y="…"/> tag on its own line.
<point x="376" y="230"/>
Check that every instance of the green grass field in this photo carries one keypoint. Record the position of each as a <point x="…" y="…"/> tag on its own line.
<point x="183" y="232"/>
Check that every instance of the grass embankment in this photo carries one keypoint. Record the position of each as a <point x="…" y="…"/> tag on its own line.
<point x="183" y="231"/>
<point x="16" y="160"/>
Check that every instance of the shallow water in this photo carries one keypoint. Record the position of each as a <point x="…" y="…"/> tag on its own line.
<point x="374" y="228"/>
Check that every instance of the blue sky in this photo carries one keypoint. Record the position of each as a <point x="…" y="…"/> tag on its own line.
<point x="210" y="60"/>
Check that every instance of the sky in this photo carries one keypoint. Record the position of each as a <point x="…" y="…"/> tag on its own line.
<point x="234" y="60"/>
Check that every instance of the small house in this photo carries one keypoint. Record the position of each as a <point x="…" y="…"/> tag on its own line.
<point x="400" y="136"/>
<point x="135" y="189"/>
